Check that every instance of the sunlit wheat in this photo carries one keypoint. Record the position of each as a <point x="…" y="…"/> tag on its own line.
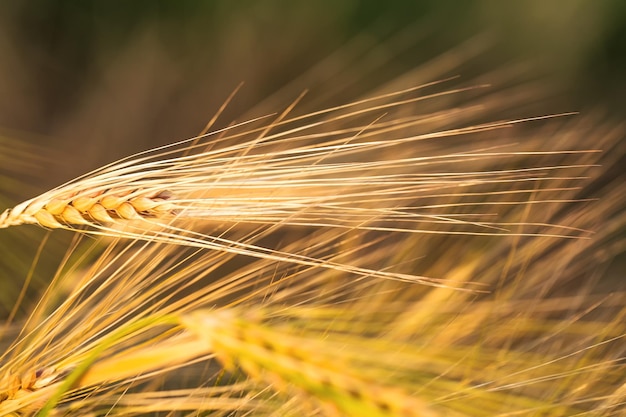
<point x="269" y="268"/>
<point x="364" y="166"/>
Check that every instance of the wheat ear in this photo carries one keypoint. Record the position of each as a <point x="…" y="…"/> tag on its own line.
<point x="343" y="169"/>
<point x="287" y="362"/>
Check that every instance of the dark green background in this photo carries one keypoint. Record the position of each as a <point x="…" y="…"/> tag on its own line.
<point x="102" y="79"/>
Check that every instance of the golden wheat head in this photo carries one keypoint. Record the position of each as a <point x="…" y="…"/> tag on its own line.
<point x="366" y="166"/>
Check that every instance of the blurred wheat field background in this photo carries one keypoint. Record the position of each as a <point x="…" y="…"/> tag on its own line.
<point x="381" y="216"/>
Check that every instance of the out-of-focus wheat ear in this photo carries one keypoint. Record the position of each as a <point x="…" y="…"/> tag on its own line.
<point x="292" y="364"/>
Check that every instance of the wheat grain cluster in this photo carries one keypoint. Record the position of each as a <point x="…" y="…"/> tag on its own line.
<point x="405" y="254"/>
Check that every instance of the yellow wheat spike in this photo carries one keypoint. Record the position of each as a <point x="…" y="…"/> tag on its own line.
<point x="286" y="362"/>
<point x="363" y="166"/>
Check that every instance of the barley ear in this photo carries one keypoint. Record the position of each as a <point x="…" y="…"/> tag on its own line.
<point x="285" y="362"/>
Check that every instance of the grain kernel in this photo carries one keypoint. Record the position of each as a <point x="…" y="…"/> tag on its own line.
<point x="126" y="211"/>
<point x="56" y="206"/>
<point x="46" y="219"/>
<point x="83" y="204"/>
<point x="99" y="213"/>
<point x="72" y="216"/>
